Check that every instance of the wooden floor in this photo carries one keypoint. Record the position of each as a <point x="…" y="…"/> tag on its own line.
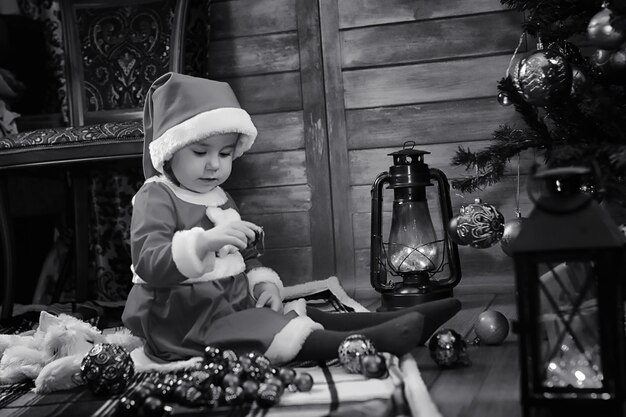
<point x="490" y="385"/>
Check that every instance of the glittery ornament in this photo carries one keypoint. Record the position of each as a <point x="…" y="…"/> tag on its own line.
<point x="273" y="380"/>
<point x="492" y="327"/>
<point x="606" y="30"/>
<point x="304" y="382"/>
<point x="230" y="357"/>
<point x="504" y="99"/>
<point x="234" y="395"/>
<point x="448" y="349"/>
<point x="570" y="51"/>
<point x="127" y="407"/>
<point x="374" y="366"/>
<point x="511" y="231"/>
<point x="543" y="77"/>
<point x="211" y="353"/>
<point x="107" y="368"/>
<point x="479" y="225"/>
<point x="352" y="349"/>
<point x="268" y="395"/>
<point x="262" y="362"/>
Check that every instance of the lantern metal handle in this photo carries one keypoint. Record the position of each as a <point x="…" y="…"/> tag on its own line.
<point x="378" y="274"/>
<point x="454" y="263"/>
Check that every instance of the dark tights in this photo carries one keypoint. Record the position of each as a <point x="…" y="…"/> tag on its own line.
<point x="397" y="332"/>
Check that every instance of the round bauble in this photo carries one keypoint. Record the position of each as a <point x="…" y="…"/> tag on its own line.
<point x="504" y="99"/>
<point x="448" y="349"/>
<point x="480" y="225"/>
<point x="606" y="30"/>
<point x="304" y="382"/>
<point x="543" y="77"/>
<point x="107" y="368"/>
<point x="374" y="366"/>
<point x="492" y="327"/>
<point x="352" y="349"/>
<point x="511" y="231"/>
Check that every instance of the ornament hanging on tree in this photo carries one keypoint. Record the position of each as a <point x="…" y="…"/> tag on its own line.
<point x="504" y="99"/>
<point x="543" y="77"/>
<point x="511" y="231"/>
<point x="448" y="349"/>
<point x="479" y="225"/>
<point x="492" y="327"/>
<point x="606" y="30"/>
<point x="580" y="82"/>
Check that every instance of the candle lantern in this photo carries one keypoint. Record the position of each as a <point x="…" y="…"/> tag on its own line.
<point x="418" y="252"/>
<point x="570" y="272"/>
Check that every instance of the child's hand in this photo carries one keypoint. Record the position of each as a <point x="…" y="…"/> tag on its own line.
<point x="237" y="233"/>
<point x="269" y="296"/>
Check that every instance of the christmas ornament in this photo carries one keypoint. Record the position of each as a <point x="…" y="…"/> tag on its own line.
<point x="268" y="395"/>
<point x="492" y="327"/>
<point x="504" y="99"/>
<point x="448" y="349"/>
<point x="287" y="375"/>
<point x="230" y="380"/>
<point x="570" y="51"/>
<point x="304" y="382"/>
<point x="154" y="407"/>
<point x="211" y="354"/>
<point x="250" y="389"/>
<point x="234" y="395"/>
<point x="543" y="77"/>
<point x="107" y="368"/>
<point x="580" y="82"/>
<point x="374" y="366"/>
<point x="511" y="230"/>
<point x="606" y="30"/>
<point x="479" y="225"/>
<point x="352" y="349"/>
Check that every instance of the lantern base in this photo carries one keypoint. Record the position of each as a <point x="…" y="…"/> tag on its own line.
<point x="398" y="300"/>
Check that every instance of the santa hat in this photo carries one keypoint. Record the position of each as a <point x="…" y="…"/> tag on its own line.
<point x="181" y="109"/>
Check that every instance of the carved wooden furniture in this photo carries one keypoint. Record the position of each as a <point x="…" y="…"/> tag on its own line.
<point x="114" y="49"/>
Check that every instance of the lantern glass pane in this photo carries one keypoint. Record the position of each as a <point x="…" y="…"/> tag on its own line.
<point x="569" y="353"/>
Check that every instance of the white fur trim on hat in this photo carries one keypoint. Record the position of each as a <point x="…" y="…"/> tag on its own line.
<point x="264" y="274"/>
<point x="201" y="126"/>
<point x="185" y="245"/>
<point x="288" y="342"/>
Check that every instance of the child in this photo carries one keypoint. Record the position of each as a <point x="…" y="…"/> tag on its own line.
<point x="197" y="278"/>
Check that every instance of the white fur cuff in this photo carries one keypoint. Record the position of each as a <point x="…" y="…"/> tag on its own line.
<point x="288" y="342"/>
<point x="263" y="274"/>
<point x="185" y="253"/>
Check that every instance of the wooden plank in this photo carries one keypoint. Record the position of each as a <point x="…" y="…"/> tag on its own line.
<point x="502" y="195"/>
<point x="431" y="40"/>
<point x="338" y="149"/>
<point x="246" y="18"/>
<point x="465" y="120"/>
<point x="366" y="164"/>
<point x="419" y="83"/>
<point x="276" y="168"/>
<point x="268" y="93"/>
<point x="284" y="230"/>
<point x="272" y="199"/>
<point x="254" y="55"/>
<point x="294" y="265"/>
<point x="278" y="132"/>
<point x="354" y="13"/>
<point x="315" y="138"/>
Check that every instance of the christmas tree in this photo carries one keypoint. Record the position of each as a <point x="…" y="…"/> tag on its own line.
<point x="573" y="103"/>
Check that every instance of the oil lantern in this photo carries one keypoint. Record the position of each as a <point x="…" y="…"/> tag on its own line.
<point x="423" y="262"/>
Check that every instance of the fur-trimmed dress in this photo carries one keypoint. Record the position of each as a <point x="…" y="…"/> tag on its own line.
<point x="180" y="303"/>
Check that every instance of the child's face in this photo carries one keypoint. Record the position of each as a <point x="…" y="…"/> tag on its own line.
<point x="204" y="165"/>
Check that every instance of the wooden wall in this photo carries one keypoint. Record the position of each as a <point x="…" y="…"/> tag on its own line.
<point x="334" y="86"/>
